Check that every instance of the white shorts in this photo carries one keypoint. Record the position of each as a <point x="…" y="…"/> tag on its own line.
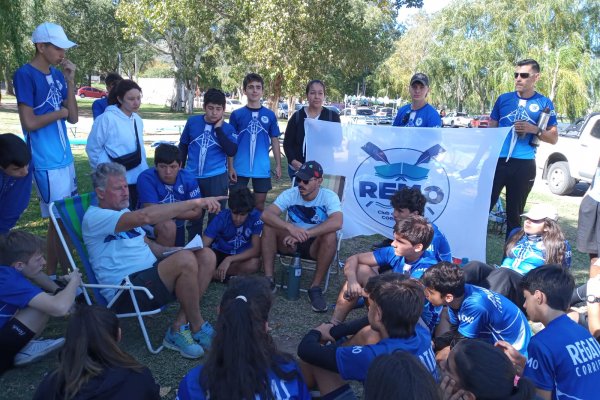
<point x="55" y="184"/>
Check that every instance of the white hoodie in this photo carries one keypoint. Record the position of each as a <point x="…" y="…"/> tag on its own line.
<point x="113" y="133"/>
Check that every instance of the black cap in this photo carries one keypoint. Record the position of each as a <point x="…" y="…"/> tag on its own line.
<point x="420" y="77"/>
<point x="310" y="169"/>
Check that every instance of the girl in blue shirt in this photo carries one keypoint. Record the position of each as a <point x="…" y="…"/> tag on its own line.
<point x="244" y="362"/>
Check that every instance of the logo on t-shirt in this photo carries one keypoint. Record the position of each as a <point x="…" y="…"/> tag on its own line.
<point x="534" y="107"/>
<point x="419" y="121"/>
<point x="264" y="119"/>
<point x="384" y="172"/>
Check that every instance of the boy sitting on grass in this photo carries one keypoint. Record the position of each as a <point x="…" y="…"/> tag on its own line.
<point x="395" y="303"/>
<point x="474" y="312"/>
<point x="234" y="236"/>
<point x="27" y="298"/>
<point x="407" y="255"/>
<point x="564" y="358"/>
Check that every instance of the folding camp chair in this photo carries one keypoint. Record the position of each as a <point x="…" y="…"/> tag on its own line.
<point x="497" y="218"/>
<point x="336" y="183"/>
<point x="71" y="211"/>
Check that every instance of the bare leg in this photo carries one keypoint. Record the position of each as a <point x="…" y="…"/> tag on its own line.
<point x="166" y="233"/>
<point x="244" y="267"/>
<point x="327" y="381"/>
<point x="179" y="272"/>
<point x="594" y="269"/>
<point x="56" y="253"/>
<point x="259" y="199"/>
<point x="343" y="306"/>
<point x="323" y="250"/>
<point x="33" y="319"/>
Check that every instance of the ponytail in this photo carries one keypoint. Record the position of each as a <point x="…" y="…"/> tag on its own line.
<point x="242" y="344"/>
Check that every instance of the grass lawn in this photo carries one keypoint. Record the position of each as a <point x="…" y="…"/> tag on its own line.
<point x="289" y="320"/>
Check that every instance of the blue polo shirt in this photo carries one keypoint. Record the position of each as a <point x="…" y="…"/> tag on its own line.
<point x="424" y="117"/>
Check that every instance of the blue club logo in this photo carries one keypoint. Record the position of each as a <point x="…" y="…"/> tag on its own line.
<point x="376" y="179"/>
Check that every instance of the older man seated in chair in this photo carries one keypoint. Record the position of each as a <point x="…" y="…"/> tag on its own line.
<point x="314" y="217"/>
<point x="118" y="248"/>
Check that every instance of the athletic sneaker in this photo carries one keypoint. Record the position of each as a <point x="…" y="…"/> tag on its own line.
<point x="205" y="335"/>
<point x="183" y="342"/>
<point x="317" y="300"/>
<point x="272" y="284"/>
<point x="36" y="349"/>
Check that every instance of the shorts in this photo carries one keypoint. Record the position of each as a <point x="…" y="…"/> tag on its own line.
<point x="220" y="256"/>
<point x="588" y="227"/>
<point x="54" y="184"/>
<point x="149" y="279"/>
<point x="304" y="249"/>
<point x="259" y="185"/>
<point x="214" y="186"/>
<point x="13" y="337"/>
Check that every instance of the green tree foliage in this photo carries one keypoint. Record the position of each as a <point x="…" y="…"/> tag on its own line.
<point x="469" y="50"/>
<point x="99" y="35"/>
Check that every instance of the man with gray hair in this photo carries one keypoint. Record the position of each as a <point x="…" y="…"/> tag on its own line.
<point x="117" y="248"/>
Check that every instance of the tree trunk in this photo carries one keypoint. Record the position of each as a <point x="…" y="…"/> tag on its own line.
<point x="276" y="85"/>
<point x="10" y="89"/>
<point x="555" y="76"/>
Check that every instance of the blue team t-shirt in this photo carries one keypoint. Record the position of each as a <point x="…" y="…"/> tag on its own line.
<point x="50" y="147"/>
<point x="424" y="117"/>
<point x="510" y="108"/>
<point x="231" y="239"/>
<point x="190" y="388"/>
<point x="15" y="293"/>
<point x="308" y="214"/>
<point x="439" y="245"/>
<point x="387" y="259"/>
<point x="529" y="253"/>
<point x="14" y="198"/>
<point x="99" y="106"/>
<point x="152" y="190"/>
<point x="205" y="158"/>
<point x="565" y="360"/>
<point x="255" y="128"/>
<point x="353" y="361"/>
<point x="492" y="317"/>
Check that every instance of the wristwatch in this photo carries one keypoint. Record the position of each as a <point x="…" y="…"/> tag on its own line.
<point x="593" y="299"/>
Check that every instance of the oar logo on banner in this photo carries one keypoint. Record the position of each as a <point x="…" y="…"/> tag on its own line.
<point x="384" y="172"/>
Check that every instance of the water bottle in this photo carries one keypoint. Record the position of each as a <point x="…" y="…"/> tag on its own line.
<point x="294" y="274"/>
<point x="542" y="124"/>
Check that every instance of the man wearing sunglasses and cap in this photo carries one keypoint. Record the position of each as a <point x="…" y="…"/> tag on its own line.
<point x="314" y="217"/>
<point x="418" y="113"/>
<point x="521" y="110"/>
<point x="46" y="99"/>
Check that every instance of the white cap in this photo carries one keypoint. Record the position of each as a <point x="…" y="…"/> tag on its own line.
<point x="541" y="211"/>
<point x="51" y="33"/>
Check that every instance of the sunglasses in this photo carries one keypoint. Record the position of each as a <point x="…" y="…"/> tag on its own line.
<point x="305" y="181"/>
<point x="523" y="75"/>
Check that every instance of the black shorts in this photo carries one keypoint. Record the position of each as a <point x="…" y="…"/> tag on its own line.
<point x="220" y="256"/>
<point x="588" y="227"/>
<point x="259" y="185"/>
<point x="304" y="249"/>
<point x="149" y="279"/>
<point x="13" y="337"/>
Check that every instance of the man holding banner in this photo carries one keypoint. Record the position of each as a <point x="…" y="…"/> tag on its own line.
<point x="419" y="113"/>
<point x="523" y="110"/>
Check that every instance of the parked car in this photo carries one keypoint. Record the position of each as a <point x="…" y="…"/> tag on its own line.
<point x="334" y="109"/>
<point x="88" y="91"/>
<point x="573" y="158"/>
<point x="359" y="116"/>
<point x="484" y="121"/>
<point x="474" y="122"/>
<point x="456" y="119"/>
<point x="282" y="110"/>
<point x="233" y="104"/>
<point x="385" y="115"/>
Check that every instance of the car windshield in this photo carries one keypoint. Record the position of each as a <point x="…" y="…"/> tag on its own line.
<point x="235" y="102"/>
<point x="364" y="111"/>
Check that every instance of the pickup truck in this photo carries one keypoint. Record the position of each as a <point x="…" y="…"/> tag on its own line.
<point x="573" y="158"/>
<point x="456" y="119"/>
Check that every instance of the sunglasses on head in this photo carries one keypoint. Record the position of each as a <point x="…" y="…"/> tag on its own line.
<point x="523" y="75"/>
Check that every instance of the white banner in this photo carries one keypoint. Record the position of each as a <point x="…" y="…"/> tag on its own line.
<point x="454" y="168"/>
